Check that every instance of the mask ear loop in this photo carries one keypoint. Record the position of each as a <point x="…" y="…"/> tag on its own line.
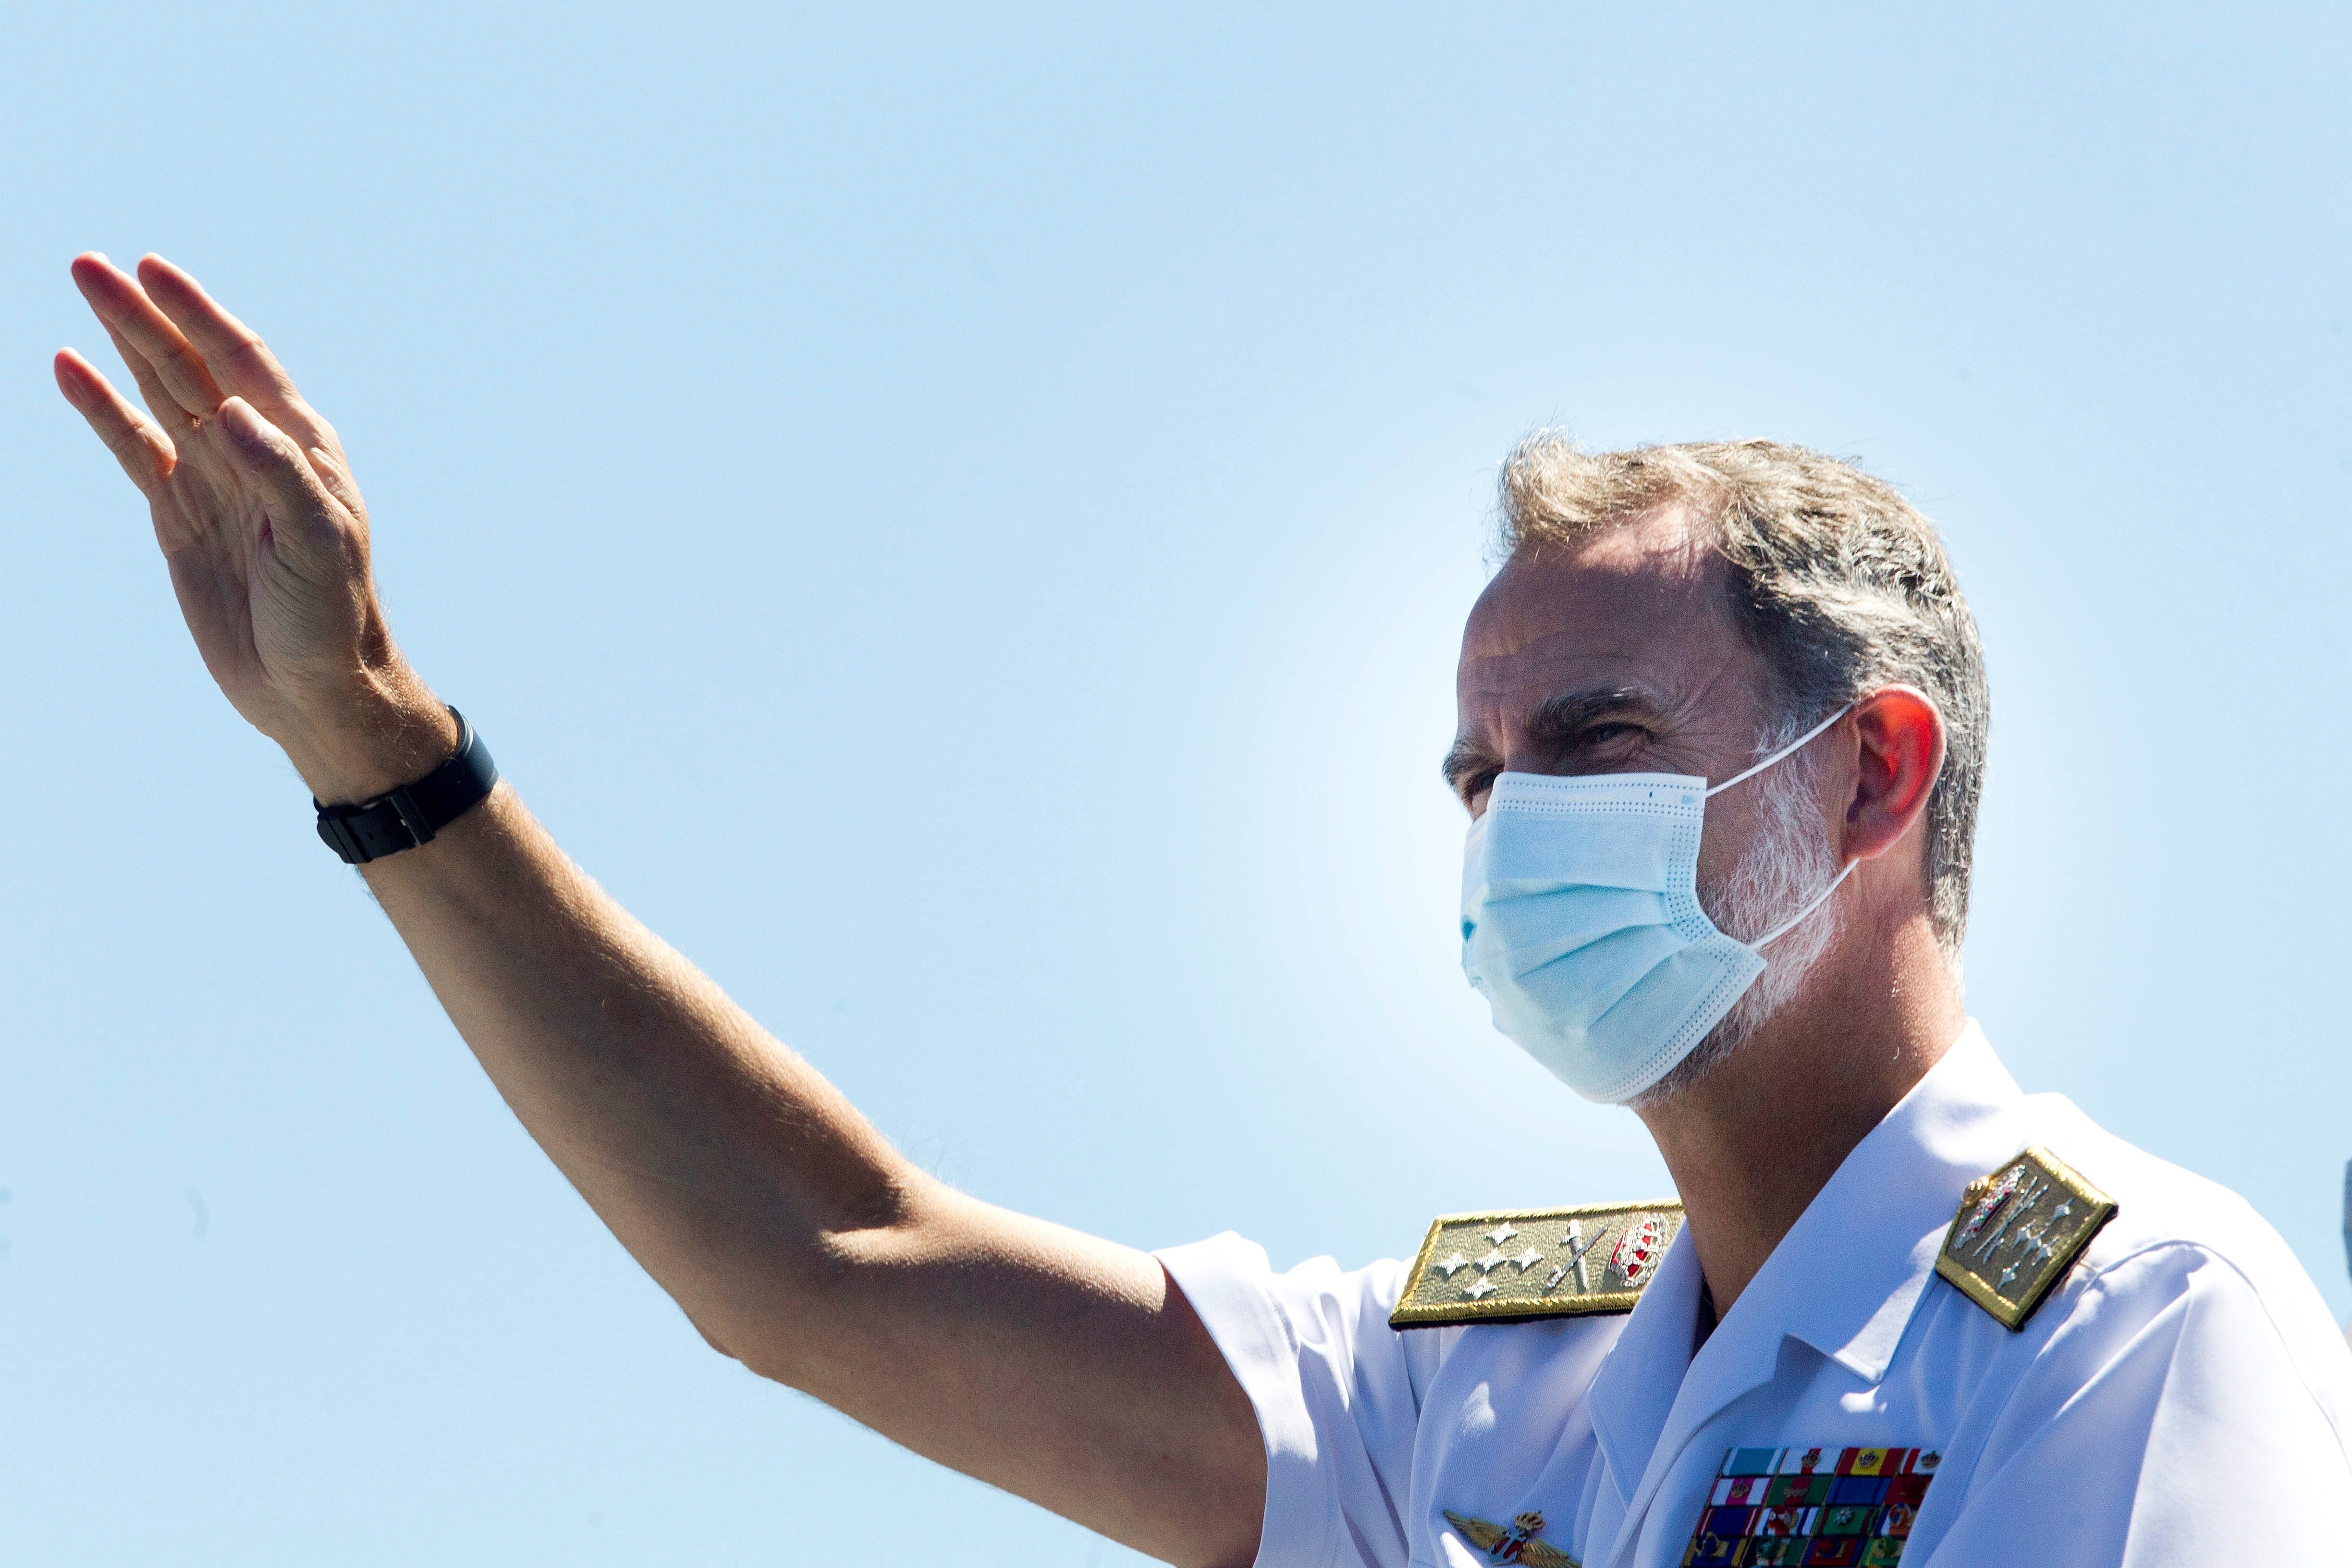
<point x="1785" y="926"/>
<point x="1818" y="900"/>
<point x="1791" y="748"/>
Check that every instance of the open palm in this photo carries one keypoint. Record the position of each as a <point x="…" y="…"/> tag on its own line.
<point x="254" y="505"/>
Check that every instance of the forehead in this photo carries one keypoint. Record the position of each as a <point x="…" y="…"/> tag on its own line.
<point x="1640" y="605"/>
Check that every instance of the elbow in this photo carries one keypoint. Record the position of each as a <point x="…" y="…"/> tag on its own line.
<point x="712" y="1340"/>
<point x="776" y="1363"/>
<point x="799" y="1318"/>
<point x="765" y="1347"/>
<point x="772" y="1356"/>
<point x="800" y="1327"/>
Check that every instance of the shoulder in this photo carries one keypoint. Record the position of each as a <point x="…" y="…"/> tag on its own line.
<point x="2160" y="1207"/>
<point x="2079" y="1202"/>
<point x="1228" y="1279"/>
<point x="2138" y="1323"/>
<point x="2182" y="1261"/>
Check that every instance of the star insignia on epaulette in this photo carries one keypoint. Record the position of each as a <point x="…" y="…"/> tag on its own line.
<point x="1514" y="1542"/>
<point x="2017" y="1232"/>
<point x="1562" y="1263"/>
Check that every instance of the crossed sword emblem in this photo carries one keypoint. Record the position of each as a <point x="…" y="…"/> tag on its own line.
<point x="1576" y="1248"/>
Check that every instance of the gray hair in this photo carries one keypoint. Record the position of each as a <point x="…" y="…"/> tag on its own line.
<point x="1836" y="580"/>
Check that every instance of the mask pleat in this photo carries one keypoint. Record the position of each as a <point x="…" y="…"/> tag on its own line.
<point x="1524" y="932"/>
<point x="1527" y="848"/>
<point x="1627" y="958"/>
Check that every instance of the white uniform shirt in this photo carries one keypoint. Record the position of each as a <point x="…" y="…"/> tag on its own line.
<point x="2180" y="1397"/>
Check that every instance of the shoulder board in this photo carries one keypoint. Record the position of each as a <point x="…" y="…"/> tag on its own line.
<point x="2017" y="1232"/>
<point x="1519" y="1264"/>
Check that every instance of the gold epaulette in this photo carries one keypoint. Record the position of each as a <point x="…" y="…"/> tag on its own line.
<point x="1519" y="1264"/>
<point x="2017" y="1232"/>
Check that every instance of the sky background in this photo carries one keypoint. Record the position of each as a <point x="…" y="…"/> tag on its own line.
<point x="962" y="523"/>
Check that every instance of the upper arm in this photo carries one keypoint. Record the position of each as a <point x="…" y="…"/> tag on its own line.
<point x="1062" y="1367"/>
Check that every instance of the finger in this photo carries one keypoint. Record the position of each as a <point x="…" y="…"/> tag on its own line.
<point x="302" y="515"/>
<point x="126" y="309"/>
<point x="240" y="360"/>
<point x="136" y="441"/>
<point x="160" y="403"/>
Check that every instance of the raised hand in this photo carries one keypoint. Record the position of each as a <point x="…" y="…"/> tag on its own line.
<point x="262" y="527"/>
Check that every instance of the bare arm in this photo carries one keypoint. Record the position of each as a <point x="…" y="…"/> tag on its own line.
<point x="1059" y="1366"/>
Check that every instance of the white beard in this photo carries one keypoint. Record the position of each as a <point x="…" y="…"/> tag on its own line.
<point x="1789" y="863"/>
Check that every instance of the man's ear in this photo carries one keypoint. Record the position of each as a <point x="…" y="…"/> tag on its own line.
<point x="1901" y="738"/>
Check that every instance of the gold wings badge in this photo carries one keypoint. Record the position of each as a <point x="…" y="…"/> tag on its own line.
<point x="1514" y="1542"/>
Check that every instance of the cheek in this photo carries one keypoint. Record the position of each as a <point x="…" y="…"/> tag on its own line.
<point x="1726" y="835"/>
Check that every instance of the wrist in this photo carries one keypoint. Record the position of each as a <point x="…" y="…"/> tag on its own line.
<point x="370" y="740"/>
<point x="413" y="815"/>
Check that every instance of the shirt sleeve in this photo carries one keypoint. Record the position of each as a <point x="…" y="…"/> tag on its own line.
<point x="1337" y="1391"/>
<point x="2172" y="1419"/>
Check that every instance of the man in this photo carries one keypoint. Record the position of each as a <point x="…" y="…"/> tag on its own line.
<point x="1909" y="1312"/>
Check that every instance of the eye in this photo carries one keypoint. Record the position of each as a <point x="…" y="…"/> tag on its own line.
<point x="1608" y="735"/>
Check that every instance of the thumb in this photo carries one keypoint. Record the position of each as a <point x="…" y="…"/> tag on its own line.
<point x="303" y="518"/>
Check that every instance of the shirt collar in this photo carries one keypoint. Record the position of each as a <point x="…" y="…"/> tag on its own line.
<point x="1846" y="1277"/>
<point x="1637" y="1385"/>
<point x="1849" y="1273"/>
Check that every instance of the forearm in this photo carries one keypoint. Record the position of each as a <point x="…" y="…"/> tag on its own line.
<point x="726" y="1166"/>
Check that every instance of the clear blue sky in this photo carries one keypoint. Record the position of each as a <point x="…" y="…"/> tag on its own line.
<point x="962" y="521"/>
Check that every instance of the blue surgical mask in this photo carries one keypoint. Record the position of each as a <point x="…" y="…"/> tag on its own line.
<point x="1581" y="922"/>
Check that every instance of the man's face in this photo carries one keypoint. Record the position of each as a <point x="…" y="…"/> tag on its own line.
<point x="1620" y="657"/>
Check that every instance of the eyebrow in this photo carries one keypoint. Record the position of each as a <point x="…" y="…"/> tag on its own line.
<point x="1557" y="720"/>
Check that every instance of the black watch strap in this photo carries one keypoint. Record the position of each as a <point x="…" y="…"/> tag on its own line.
<point x="412" y="814"/>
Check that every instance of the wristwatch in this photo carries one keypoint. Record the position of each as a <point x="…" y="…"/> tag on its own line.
<point x="414" y="813"/>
